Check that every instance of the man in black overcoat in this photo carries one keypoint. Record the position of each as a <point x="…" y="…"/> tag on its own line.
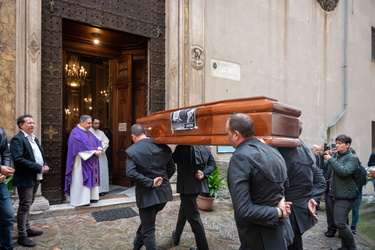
<point x="306" y="186"/>
<point x="194" y="166"/>
<point x="150" y="166"/>
<point x="256" y="177"/>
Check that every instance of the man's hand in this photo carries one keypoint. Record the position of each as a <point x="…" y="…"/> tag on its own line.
<point x="285" y="206"/>
<point x="327" y="157"/>
<point x="98" y="152"/>
<point x="7" y="171"/>
<point x="158" y="181"/>
<point x="312" y="208"/>
<point x="199" y="174"/>
<point x="2" y="178"/>
<point x="45" y="169"/>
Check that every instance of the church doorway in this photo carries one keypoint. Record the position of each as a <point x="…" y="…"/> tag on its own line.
<point x="108" y="80"/>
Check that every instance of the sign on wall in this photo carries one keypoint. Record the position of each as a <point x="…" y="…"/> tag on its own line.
<point x="228" y="70"/>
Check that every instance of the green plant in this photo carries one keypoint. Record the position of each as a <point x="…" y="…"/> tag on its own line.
<point x="214" y="182"/>
<point x="9" y="183"/>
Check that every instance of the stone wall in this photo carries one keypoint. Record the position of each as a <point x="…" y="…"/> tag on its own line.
<point x="7" y="65"/>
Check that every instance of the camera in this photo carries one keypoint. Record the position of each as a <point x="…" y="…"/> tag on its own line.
<point x="326" y="147"/>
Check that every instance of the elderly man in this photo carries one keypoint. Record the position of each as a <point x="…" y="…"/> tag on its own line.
<point x="103" y="162"/>
<point x="82" y="176"/>
<point x="256" y="177"/>
<point x="28" y="158"/>
<point x="150" y="166"/>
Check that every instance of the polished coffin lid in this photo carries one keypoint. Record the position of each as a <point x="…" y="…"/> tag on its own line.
<point x="276" y="123"/>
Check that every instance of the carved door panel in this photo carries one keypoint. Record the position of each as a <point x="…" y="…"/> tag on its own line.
<point x="122" y="117"/>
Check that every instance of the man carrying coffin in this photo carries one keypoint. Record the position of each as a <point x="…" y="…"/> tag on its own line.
<point x="82" y="176"/>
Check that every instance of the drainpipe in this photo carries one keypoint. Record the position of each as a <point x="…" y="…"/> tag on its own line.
<point x="338" y="118"/>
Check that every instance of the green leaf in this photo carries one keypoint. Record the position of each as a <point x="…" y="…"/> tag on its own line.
<point x="214" y="182"/>
<point x="9" y="182"/>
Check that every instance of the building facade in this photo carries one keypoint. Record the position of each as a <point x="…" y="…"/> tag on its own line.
<point x="162" y="54"/>
<point x="312" y="54"/>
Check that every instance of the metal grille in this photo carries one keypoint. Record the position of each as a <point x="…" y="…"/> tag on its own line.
<point x="328" y="5"/>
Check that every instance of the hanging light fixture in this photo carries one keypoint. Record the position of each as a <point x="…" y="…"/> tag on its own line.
<point x="96" y="37"/>
<point x="75" y="75"/>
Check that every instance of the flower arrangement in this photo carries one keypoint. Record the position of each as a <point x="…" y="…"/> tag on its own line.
<point x="370" y="173"/>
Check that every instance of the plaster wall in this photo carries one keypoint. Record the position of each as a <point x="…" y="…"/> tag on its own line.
<point x="292" y="51"/>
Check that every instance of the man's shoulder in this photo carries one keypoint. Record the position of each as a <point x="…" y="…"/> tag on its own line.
<point x="18" y="136"/>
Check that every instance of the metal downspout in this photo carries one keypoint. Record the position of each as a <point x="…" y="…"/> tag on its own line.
<point x="338" y="118"/>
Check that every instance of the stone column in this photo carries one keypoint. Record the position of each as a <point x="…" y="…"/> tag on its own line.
<point x="185" y="53"/>
<point x="28" y="70"/>
<point x="196" y="88"/>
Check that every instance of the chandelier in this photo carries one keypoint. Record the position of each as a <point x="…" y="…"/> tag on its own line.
<point x="75" y="75"/>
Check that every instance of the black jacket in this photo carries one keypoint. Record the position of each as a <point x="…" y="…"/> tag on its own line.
<point x="147" y="160"/>
<point x="305" y="182"/>
<point x="24" y="161"/>
<point x="189" y="160"/>
<point x="4" y="151"/>
<point x="256" y="178"/>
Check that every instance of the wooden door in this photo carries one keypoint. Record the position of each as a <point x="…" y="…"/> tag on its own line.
<point x="122" y="117"/>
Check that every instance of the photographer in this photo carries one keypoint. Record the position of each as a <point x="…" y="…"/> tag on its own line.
<point x="341" y="170"/>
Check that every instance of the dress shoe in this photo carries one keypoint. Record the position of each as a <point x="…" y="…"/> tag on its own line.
<point x="329" y="234"/>
<point x="93" y="201"/>
<point x="26" y="242"/>
<point x="33" y="233"/>
<point x="175" y="240"/>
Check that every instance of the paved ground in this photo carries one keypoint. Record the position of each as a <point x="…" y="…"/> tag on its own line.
<point x="81" y="231"/>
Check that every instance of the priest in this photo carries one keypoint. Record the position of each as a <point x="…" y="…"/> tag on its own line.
<point x="103" y="161"/>
<point x="82" y="176"/>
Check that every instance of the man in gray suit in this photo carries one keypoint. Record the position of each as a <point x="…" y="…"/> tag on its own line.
<point x="150" y="166"/>
<point x="194" y="166"/>
<point x="28" y="158"/>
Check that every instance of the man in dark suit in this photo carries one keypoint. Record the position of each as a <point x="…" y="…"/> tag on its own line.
<point x="305" y="186"/>
<point x="150" y="166"/>
<point x="29" y="163"/>
<point x="256" y="178"/>
<point x="194" y="166"/>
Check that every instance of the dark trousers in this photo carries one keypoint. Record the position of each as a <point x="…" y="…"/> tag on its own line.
<point x="6" y="218"/>
<point x="297" y="240"/>
<point x="341" y="211"/>
<point x="189" y="211"/>
<point x="146" y="230"/>
<point x="27" y="197"/>
<point x="355" y="209"/>
<point x="329" y="212"/>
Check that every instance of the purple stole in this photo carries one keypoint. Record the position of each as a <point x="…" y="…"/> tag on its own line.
<point x="79" y="141"/>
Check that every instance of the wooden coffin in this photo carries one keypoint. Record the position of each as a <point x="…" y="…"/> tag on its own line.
<point x="276" y="123"/>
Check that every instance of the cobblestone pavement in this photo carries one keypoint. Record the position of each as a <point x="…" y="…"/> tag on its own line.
<point x="81" y="231"/>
